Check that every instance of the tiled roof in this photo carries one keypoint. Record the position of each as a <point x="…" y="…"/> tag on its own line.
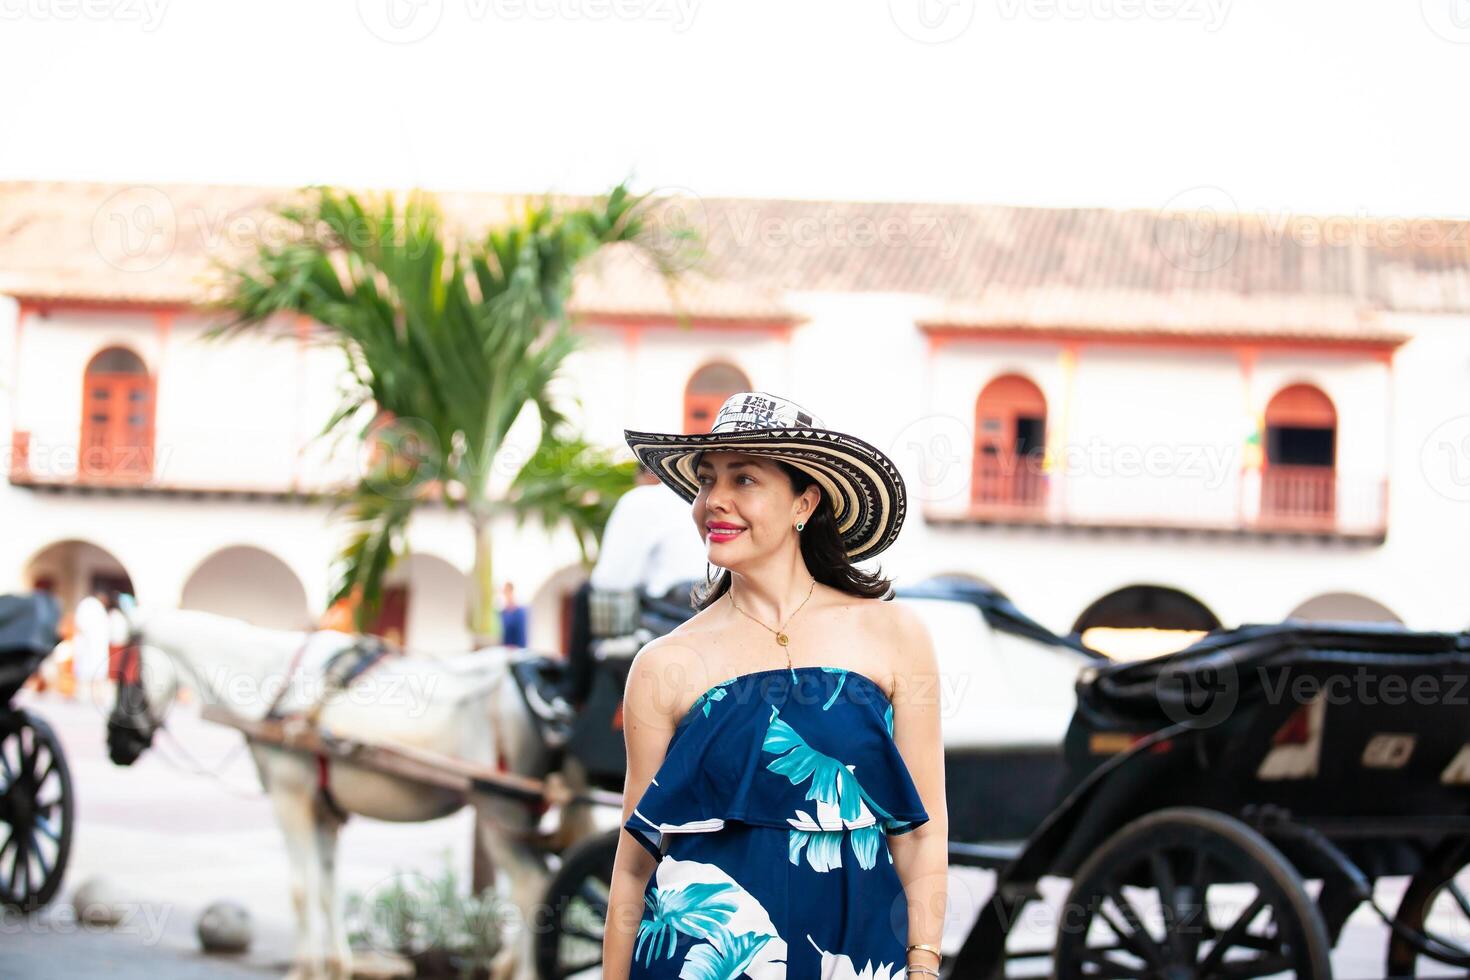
<point x="984" y="266"/>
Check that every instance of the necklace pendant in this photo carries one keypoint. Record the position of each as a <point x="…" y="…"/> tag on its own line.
<point x="782" y="639"/>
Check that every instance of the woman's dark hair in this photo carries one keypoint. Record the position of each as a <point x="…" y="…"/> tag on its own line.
<point x="821" y="549"/>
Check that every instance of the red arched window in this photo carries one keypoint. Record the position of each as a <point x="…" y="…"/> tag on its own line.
<point x="1010" y="440"/>
<point x="707" y="391"/>
<point x="117" y="418"/>
<point x="1299" y="478"/>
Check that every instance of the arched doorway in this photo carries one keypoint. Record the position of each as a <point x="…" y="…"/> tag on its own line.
<point x="1010" y="442"/>
<point x="72" y="569"/>
<point x="117" y="418"/>
<point x="1144" y="621"/>
<point x="706" y="392"/>
<point x="244" y="582"/>
<point x="86" y="578"/>
<point x="1299" y="474"/>
<point x="1344" y="607"/>
<point x="426" y="603"/>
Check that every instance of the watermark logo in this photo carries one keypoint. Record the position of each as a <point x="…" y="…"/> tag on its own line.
<point x="400" y="21"/>
<point x="136" y="229"/>
<point x="1198" y="230"/>
<point x="937" y="450"/>
<point x="677" y="229"/>
<point x="1444" y="459"/>
<point x="1448" y="19"/>
<point x="1210" y="13"/>
<point x="147" y="14"/>
<point x="932" y="21"/>
<point x="1200" y="694"/>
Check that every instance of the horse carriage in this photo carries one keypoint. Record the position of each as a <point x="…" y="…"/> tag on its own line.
<point x="1190" y="800"/>
<point x="1205" y="789"/>
<point x="35" y="783"/>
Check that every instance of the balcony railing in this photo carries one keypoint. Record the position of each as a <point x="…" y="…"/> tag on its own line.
<point x="1279" y="499"/>
<point x="1298" y="496"/>
<point x="1009" y="484"/>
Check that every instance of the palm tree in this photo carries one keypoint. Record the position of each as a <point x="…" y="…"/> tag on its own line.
<point x="447" y="341"/>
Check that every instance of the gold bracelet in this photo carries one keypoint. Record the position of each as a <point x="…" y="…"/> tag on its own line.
<point x="932" y="949"/>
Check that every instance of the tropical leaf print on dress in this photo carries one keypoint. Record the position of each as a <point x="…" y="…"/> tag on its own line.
<point x="824" y="847"/>
<point x="716" y="693"/>
<point x="831" y="780"/>
<point x="702" y="901"/>
<point x="839" y="796"/>
<point x="838" y="966"/>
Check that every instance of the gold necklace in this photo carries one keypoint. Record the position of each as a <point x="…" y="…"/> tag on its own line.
<point x="781" y="636"/>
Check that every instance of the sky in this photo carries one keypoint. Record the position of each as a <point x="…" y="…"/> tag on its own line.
<point x="1352" y="107"/>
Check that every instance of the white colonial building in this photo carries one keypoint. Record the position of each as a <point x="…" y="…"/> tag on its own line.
<point x="1119" y="419"/>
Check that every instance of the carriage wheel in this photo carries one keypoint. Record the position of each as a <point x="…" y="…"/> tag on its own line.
<point x="569" y="941"/>
<point x="35" y="812"/>
<point x="1141" y="906"/>
<point x="1435" y="899"/>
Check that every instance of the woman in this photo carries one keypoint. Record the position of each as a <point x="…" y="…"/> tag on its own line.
<point x="784" y="805"/>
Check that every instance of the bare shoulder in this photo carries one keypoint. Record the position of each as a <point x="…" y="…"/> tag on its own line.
<point x="907" y="640"/>
<point x="656" y="676"/>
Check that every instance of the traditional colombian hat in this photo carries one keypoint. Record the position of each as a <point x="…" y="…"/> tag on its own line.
<point x="862" y="484"/>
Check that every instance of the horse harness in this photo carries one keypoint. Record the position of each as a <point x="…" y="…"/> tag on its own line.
<point x="338" y="673"/>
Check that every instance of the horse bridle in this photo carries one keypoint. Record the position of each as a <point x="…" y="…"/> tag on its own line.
<point x="130" y="724"/>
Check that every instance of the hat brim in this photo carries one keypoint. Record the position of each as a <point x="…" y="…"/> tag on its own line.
<point x="867" y="493"/>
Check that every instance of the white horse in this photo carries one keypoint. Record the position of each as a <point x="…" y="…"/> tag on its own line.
<point x="467" y="707"/>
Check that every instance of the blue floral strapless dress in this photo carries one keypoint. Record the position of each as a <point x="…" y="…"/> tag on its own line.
<point x="769" y="818"/>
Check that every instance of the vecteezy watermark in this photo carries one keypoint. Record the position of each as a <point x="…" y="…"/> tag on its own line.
<point x="1449" y="19"/>
<point x="1210" y="13"/>
<point x="1198" y="695"/>
<point x="844" y="228"/>
<point x="400" y="21"/>
<point x="677" y="227"/>
<point x="144" y="920"/>
<point x="411" y="21"/>
<point x="1205" y="693"/>
<point x="51" y="462"/>
<point x="1198" y="230"/>
<point x="139" y="228"/>
<point x="939" y="449"/>
<point x="932" y="21"/>
<point x="680" y="224"/>
<point x="410" y="692"/>
<point x="147" y="14"/>
<point x="136" y="229"/>
<point x="1444" y="459"/>
<point x="1367" y="688"/>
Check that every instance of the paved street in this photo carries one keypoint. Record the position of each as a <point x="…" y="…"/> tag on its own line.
<point x="187" y="825"/>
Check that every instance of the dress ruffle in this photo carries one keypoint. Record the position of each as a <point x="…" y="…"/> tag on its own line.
<point x="805" y="749"/>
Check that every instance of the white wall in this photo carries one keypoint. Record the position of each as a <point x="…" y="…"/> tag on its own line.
<point x="237" y="415"/>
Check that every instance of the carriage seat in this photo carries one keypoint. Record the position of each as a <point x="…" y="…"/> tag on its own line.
<point x="541" y="680"/>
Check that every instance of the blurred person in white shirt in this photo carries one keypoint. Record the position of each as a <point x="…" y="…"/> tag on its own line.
<point x="90" y="641"/>
<point x="651" y="549"/>
<point x="650" y="544"/>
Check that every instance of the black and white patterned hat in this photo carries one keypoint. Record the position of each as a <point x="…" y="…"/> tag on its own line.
<point x="865" y="489"/>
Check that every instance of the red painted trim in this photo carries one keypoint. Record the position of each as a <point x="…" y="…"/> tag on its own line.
<point x="45" y="306"/>
<point x="781" y="327"/>
<point x="943" y="335"/>
<point x="764" y="324"/>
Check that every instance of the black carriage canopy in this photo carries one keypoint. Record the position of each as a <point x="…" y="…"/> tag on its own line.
<point x="27" y="635"/>
<point x="1249" y="663"/>
<point x="28" y="624"/>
